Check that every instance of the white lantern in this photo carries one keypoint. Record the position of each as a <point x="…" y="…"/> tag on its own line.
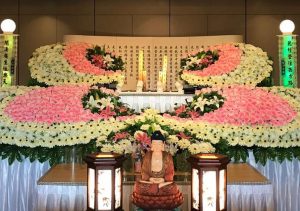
<point x="287" y="27"/>
<point x="209" y="182"/>
<point x="104" y="181"/>
<point x="8" y="26"/>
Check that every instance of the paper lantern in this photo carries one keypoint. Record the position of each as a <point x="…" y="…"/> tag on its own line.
<point x="104" y="172"/>
<point x="209" y="182"/>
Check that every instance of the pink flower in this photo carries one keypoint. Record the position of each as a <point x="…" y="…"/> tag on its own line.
<point x="193" y="114"/>
<point x="229" y="59"/>
<point x="123" y="109"/>
<point x="180" y="110"/>
<point x="183" y="136"/>
<point x="252" y="106"/>
<point x="119" y="136"/>
<point x="75" y="54"/>
<point x="50" y="105"/>
<point x="98" y="61"/>
<point x="107" y="113"/>
<point x="143" y="138"/>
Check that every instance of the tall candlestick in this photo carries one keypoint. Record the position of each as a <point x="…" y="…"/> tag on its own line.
<point x="141" y="64"/>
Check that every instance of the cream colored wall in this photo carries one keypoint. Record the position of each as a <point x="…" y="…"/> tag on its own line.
<point x="41" y="22"/>
<point x="173" y="47"/>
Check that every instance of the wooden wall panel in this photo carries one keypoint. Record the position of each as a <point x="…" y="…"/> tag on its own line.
<point x="256" y="20"/>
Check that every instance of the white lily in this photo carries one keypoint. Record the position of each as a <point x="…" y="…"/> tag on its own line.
<point x="106" y="102"/>
<point x="107" y="58"/>
<point x="93" y="103"/>
<point x="193" y="61"/>
<point x="201" y="102"/>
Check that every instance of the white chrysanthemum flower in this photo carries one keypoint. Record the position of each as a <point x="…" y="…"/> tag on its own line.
<point x="118" y="148"/>
<point x="206" y="147"/>
<point x="172" y="149"/>
<point x="184" y="143"/>
<point x="172" y="139"/>
<point x="145" y="127"/>
<point x="139" y="132"/>
<point x="107" y="148"/>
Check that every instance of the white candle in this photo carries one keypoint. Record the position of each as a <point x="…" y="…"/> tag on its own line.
<point x="141" y="65"/>
<point x="164" y="71"/>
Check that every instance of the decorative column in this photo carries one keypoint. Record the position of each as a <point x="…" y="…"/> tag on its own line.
<point x="287" y="45"/>
<point x="8" y="53"/>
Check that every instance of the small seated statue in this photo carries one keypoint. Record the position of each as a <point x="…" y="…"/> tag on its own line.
<point x="156" y="189"/>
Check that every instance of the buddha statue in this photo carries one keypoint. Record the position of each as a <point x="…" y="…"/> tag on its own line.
<point x="156" y="189"/>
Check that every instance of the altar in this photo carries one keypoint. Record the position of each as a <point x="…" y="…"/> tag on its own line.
<point x="160" y="101"/>
<point x="64" y="188"/>
<point x="230" y="116"/>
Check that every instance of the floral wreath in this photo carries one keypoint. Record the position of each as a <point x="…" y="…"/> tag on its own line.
<point x="59" y="116"/>
<point x="139" y="129"/>
<point x="264" y="117"/>
<point x="73" y="63"/>
<point x="55" y="116"/>
<point x="226" y="65"/>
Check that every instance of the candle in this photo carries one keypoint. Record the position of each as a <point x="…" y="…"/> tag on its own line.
<point x="164" y="71"/>
<point x="141" y="65"/>
<point x="144" y="78"/>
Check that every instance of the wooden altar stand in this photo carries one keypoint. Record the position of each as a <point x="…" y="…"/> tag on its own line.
<point x="240" y="174"/>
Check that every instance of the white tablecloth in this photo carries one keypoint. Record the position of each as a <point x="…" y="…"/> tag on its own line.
<point x="19" y="190"/>
<point x="73" y="198"/>
<point x="160" y="101"/>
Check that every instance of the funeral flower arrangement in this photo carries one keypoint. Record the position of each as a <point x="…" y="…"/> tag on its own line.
<point x="202" y="103"/>
<point x="105" y="102"/>
<point x="40" y="123"/>
<point x="223" y="119"/>
<point x="73" y="63"/>
<point x="225" y="65"/>
<point x="264" y="117"/>
<point x="55" y="116"/>
<point x="139" y="129"/>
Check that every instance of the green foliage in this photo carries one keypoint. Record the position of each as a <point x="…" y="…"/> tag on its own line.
<point x="275" y="154"/>
<point x="205" y="59"/>
<point x="235" y="153"/>
<point x="201" y="104"/>
<point x="54" y="155"/>
<point x="261" y="154"/>
<point x="120" y="108"/>
<point x="180" y="161"/>
<point x="35" y="82"/>
<point x="117" y="63"/>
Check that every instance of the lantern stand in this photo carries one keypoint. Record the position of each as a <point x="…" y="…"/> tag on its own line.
<point x="8" y="53"/>
<point x="209" y="180"/>
<point x="287" y="45"/>
<point x="104" y="173"/>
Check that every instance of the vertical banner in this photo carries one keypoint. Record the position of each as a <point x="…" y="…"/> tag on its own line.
<point x="8" y="59"/>
<point x="288" y="60"/>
